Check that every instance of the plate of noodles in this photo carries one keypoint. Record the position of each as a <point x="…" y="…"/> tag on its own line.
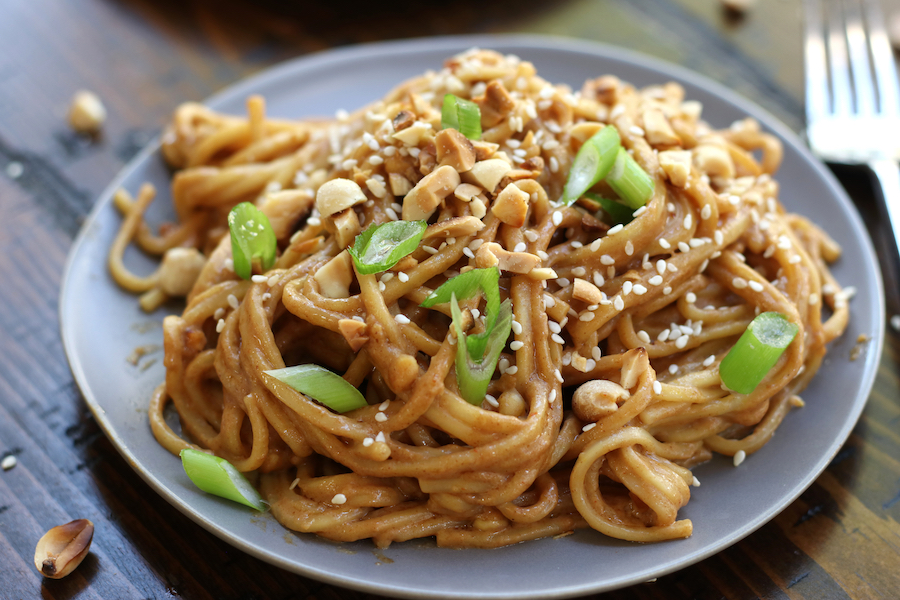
<point x="590" y="441"/>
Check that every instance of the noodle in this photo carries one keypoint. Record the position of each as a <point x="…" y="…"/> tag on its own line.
<point x="610" y="390"/>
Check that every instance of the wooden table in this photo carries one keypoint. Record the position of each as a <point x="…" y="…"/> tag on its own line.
<point x="840" y="539"/>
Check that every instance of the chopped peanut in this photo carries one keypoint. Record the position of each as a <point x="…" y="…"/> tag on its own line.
<point x="542" y="273"/>
<point x="493" y="254"/>
<point x="400" y="185"/>
<point x="488" y="173"/>
<point x="422" y="200"/>
<point x="596" y="399"/>
<point x="658" y="129"/>
<point x="584" y="131"/>
<point x="346" y="227"/>
<point x="714" y="159"/>
<point x="484" y="150"/>
<point x="355" y="332"/>
<point x="179" y="270"/>
<point x="455" y="227"/>
<point x="86" y="113"/>
<point x="454" y="149"/>
<point x="676" y="164"/>
<point x="415" y="133"/>
<point x="511" y="205"/>
<point x="338" y="194"/>
<point x="495" y="104"/>
<point x="335" y="276"/>
<point x="466" y="191"/>
<point x="586" y="291"/>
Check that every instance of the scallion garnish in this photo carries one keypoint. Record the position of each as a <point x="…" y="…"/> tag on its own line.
<point x="321" y="385"/>
<point x="630" y="181"/>
<point x="476" y="354"/>
<point x="252" y="239"/>
<point x="593" y="162"/>
<point x="615" y="213"/>
<point x="756" y="352"/>
<point x="474" y="370"/>
<point x="380" y="247"/>
<point x="217" y="476"/>
<point x="461" y="115"/>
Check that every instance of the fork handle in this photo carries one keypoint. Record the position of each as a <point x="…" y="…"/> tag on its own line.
<point x="887" y="172"/>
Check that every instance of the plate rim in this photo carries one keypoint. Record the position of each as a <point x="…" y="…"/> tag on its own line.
<point x="455" y="43"/>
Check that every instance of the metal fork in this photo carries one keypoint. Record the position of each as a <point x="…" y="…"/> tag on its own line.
<point x="852" y="93"/>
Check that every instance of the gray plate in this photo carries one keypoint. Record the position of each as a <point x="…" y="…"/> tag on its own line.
<point x="101" y="326"/>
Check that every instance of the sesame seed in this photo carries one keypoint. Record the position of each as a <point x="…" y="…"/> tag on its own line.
<point x="381" y="286"/>
<point x="563" y="282"/>
<point x="542" y="255"/>
<point x="639" y="289"/>
<point x="895" y="322"/>
<point x="558" y="375"/>
<point x="516" y="327"/>
<point x="606" y="259"/>
<point x="266" y="296"/>
<point x="358" y="318"/>
<point x="383" y="406"/>
<point x="556" y="338"/>
<point x="813" y="299"/>
<point x="512" y="370"/>
<point x="381" y="417"/>
<point x="567" y="359"/>
<point x="579" y="271"/>
<point x="695" y="482"/>
<point x="636" y="130"/>
<point x="475" y="313"/>
<point x="596" y="353"/>
<point x="661" y="266"/>
<point x="670" y="267"/>
<point x="673" y="369"/>
<point x="380" y="437"/>
<point x="739" y="283"/>
<point x="468" y="253"/>
<point x="577" y="244"/>
<point x="734" y="200"/>
<point x="588" y="427"/>
<point x="339" y="499"/>
<point x="655" y="280"/>
<point x="755" y="286"/>
<point x="220" y="312"/>
<point x="403" y="277"/>
<point x="667" y="290"/>
<point x="520" y="247"/>
<point x="531" y="235"/>
<point x="595" y="245"/>
<point x="639" y="211"/>
<point x="586" y="316"/>
<point x="615" y="230"/>
<point x="554" y="164"/>
<point x="629" y="248"/>
<point x="663" y="335"/>
<point x="682" y="341"/>
<point x="402" y="319"/>
<point x="690" y="297"/>
<point x="657" y="388"/>
<point x="643" y="336"/>
<point x="273" y="280"/>
<point x="718" y="237"/>
<point x="683" y="247"/>
<point x="368" y="442"/>
<point x="706" y="212"/>
<point x="664" y="243"/>
<point x="784" y="242"/>
<point x="618" y="303"/>
<point x="9" y="461"/>
<point x="794" y="259"/>
<point x="688" y="221"/>
<point x="709" y="360"/>
<point x="552" y="396"/>
<point x="549" y="301"/>
<point x="696" y="242"/>
<point x="739" y="457"/>
<point x="626" y="287"/>
<point x="556" y="218"/>
<point x="232" y="301"/>
<point x="431" y="250"/>
<point x="516" y="345"/>
<point x="704" y="264"/>
<point x="387" y="277"/>
<point x="220" y="325"/>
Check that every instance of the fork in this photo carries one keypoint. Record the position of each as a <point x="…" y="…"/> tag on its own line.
<point x="852" y="93"/>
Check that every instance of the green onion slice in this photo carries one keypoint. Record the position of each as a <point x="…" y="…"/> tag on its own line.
<point x="473" y="370"/>
<point x="593" y="162"/>
<point x="321" y="385"/>
<point x="465" y="286"/>
<point x="756" y="352"/>
<point x="380" y="247"/>
<point x="615" y="213"/>
<point x="461" y="115"/>
<point x="252" y="239"/>
<point x="217" y="476"/>
<point x="630" y="181"/>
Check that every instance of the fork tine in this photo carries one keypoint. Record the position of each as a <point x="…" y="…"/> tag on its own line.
<point x="858" y="48"/>
<point x="883" y="60"/>
<point x="841" y="89"/>
<point x="815" y="63"/>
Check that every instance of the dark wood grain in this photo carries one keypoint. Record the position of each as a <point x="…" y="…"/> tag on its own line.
<point x="840" y="539"/>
